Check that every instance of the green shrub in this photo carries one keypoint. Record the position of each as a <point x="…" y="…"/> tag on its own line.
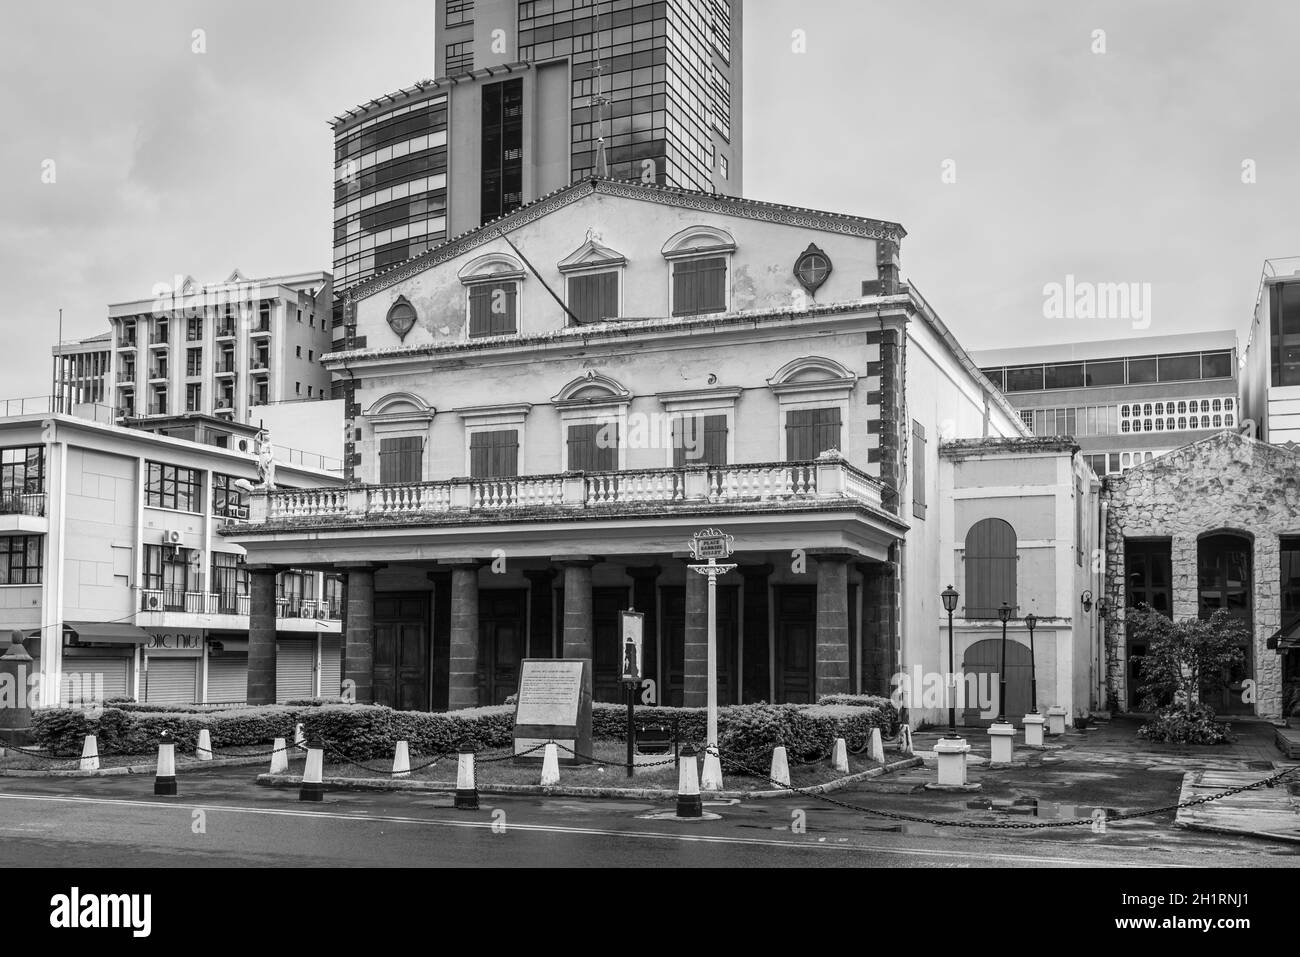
<point x="371" y="732"/>
<point x="1183" y="724"/>
<point x="884" y="705"/>
<point x="121" y="731"/>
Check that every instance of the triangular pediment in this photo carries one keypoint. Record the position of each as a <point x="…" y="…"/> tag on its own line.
<point x="592" y="253"/>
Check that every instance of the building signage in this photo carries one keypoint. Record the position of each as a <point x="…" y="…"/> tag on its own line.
<point x="175" y="640"/>
<point x="553" y="704"/>
<point x="711" y="544"/>
<point x="632" y="630"/>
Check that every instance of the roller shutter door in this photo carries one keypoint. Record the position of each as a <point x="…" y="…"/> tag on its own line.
<point x="293" y="669"/>
<point x="82" y="676"/>
<point x="331" y="666"/>
<point x="171" y="681"/>
<point x="228" y="679"/>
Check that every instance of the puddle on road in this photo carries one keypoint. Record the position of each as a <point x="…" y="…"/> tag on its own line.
<point x="1044" y="810"/>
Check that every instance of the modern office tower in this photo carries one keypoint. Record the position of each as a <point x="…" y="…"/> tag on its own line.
<point x="524" y="93"/>
<point x="1125" y="401"/>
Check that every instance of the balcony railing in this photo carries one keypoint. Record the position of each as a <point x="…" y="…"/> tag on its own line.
<point x="23" y="503"/>
<point x="783" y="482"/>
<point x="225" y="330"/>
<point x="232" y="602"/>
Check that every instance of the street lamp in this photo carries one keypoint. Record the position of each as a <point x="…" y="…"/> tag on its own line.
<point x="1030" y="621"/>
<point x="1004" y="615"/>
<point x="949" y="596"/>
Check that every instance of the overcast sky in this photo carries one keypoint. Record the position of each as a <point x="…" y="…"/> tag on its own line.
<point x="1122" y="166"/>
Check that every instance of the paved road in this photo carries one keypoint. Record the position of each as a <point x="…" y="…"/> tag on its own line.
<point x="221" y="819"/>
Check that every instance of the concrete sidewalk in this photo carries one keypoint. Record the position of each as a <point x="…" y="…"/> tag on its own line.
<point x="1109" y="767"/>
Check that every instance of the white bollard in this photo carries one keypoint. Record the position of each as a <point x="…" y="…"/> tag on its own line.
<point x="90" y="754"/>
<point x="299" y="738"/>
<point x="204" y="749"/>
<point x="840" y="756"/>
<point x="165" y="781"/>
<point x="877" y="747"/>
<point x="279" y="757"/>
<point x="1002" y="743"/>
<point x="1056" y="721"/>
<point x="1034" y="729"/>
<point x="905" y="740"/>
<point x="951" y="755"/>
<point x="550" y="766"/>
<point x="312" y="787"/>
<point x="466" y="789"/>
<point x="402" y="760"/>
<point x="711" y="780"/>
<point x="689" y="803"/>
<point x="780" y="774"/>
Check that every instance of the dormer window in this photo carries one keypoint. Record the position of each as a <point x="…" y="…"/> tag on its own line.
<point x="493" y="309"/>
<point x="700" y="262"/>
<point x="492" y="284"/>
<point x="593" y="283"/>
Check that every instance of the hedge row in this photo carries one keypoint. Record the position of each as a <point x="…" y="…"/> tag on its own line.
<point x="747" y="733"/>
<point x="119" y="731"/>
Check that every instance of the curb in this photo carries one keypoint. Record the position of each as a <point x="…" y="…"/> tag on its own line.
<point x="147" y="768"/>
<point x="637" y="794"/>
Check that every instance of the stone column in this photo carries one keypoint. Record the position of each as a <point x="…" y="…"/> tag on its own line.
<point x="359" y="632"/>
<point x="440" y="641"/>
<point x="879" y="614"/>
<point x="755" y="671"/>
<point x="832" y="624"/>
<point x="261" y="635"/>
<point x="577" y="639"/>
<point x="695" y="660"/>
<point x="462" y="675"/>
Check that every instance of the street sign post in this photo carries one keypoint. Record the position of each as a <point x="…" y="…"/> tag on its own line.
<point x="632" y="634"/>
<point x="709" y="545"/>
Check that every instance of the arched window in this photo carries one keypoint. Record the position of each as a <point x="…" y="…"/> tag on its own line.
<point x="990" y="568"/>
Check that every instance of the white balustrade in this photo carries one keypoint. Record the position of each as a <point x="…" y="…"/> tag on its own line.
<point x="734" y="483"/>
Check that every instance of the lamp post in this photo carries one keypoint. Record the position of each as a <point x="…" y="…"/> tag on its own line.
<point x="1004" y="615"/>
<point x="949" y="596"/>
<point x="708" y="546"/>
<point x="1030" y="621"/>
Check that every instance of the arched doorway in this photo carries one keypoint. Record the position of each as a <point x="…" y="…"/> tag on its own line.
<point x="981" y="666"/>
<point x="1224" y="579"/>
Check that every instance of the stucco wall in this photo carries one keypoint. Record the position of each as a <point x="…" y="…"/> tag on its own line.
<point x="1224" y="483"/>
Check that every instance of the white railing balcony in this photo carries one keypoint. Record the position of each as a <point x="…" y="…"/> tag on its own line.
<point x="829" y="479"/>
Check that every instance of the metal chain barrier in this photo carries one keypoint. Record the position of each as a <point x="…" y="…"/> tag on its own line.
<point x="613" y="764"/>
<point x="1018" y="825"/>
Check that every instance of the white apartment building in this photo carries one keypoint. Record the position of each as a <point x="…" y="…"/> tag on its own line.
<point x="111" y="563"/>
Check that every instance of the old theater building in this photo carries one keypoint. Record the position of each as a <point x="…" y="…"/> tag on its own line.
<point x="548" y="408"/>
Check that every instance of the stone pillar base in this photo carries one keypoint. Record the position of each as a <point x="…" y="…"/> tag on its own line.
<point x="1034" y="729"/>
<point x="1002" y="743"/>
<point x="1056" y="721"/>
<point x="951" y="753"/>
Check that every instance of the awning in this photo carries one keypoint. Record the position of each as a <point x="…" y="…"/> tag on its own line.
<point x="221" y="645"/>
<point x="1286" y="638"/>
<point x="117" y="633"/>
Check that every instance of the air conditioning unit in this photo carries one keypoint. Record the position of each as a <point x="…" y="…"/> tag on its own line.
<point x="322" y="613"/>
<point x="154" y="602"/>
<point x="174" y="536"/>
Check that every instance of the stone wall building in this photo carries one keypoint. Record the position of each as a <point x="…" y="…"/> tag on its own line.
<point x="1213" y="524"/>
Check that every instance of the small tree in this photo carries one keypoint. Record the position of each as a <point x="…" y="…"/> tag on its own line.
<point x="1184" y="659"/>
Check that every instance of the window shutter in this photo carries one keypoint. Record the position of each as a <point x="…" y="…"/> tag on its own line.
<point x="494" y="455"/>
<point x="483" y="321"/>
<point x="595" y="297"/>
<point x="828" y="430"/>
<point x="699" y="286"/>
<point x="715" y="440"/>
<point x="799" y="435"/>
<point x="990" y="568"/>
<point x="400" y="460"/>
<point x="582" y="448"/>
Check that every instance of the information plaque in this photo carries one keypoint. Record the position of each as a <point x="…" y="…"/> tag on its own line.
<point x="554" y="704"/>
